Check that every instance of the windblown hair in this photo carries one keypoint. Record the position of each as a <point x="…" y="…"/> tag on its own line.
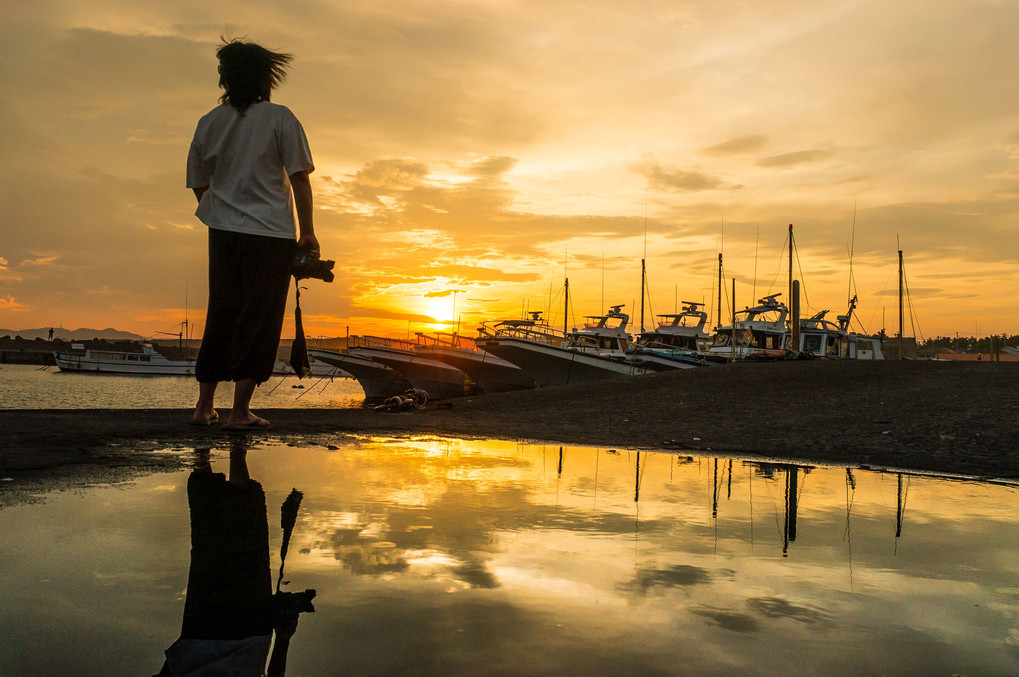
<point x="248" y="72"/>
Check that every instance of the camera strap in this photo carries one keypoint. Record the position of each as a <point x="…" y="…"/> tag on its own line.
<point x="299" y="348"/>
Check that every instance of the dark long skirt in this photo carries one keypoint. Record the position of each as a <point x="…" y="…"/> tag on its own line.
<point x="249" y="278"/>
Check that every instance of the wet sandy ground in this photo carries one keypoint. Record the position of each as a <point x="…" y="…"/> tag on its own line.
<point x="942" y="417"/>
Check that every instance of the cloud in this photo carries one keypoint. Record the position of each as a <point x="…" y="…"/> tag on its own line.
<point x="796" y="158"/>
<point x="668" y="178"/>
<point x="472" y="145"/>
<point x="357" y="311"/>
<point x="492" y="167"/>
<point x="9" y="303"/>
<point x="740" y="145"/>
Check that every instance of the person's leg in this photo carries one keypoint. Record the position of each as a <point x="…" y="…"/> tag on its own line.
<point x="213" y="364"/>
<point x="241" y="413"/>
<point x="266" y="280"/>
<point x="205" y="410"/>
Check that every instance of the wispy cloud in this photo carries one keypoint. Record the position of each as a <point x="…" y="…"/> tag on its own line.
<point x="793" y="159"/>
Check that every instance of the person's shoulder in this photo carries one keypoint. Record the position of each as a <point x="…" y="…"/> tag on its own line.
<point x="220" y="110"/>
<point x="218" y="113"/>
<point x="277" y="111"/>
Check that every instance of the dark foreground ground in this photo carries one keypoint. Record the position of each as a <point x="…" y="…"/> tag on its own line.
<point x="941" y="417"/>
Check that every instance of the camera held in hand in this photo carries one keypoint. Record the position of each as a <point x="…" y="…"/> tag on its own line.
<point x="305" y="265"/>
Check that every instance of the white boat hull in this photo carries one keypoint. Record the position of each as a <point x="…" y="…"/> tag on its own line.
<point x="438" y="379"/>
<point x="376" y="379"/>
<point x="489" y="373"/>
<point x="124" y="364"/>
<point x="552" y="365"/>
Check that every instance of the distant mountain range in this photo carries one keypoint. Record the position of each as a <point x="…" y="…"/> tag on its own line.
<point x="83" y="334"/>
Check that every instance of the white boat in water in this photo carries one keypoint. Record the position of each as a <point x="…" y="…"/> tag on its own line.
<point x="378" y="381"/>
<point x="593" y="353"/>
<point x="148" y="362"/>
<point x="678" y="342"/>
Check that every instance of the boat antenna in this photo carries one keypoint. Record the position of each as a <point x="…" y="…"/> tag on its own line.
<point x="790" y="261"/>
<point x="643" y="270"/>
<point x="719" y="289"/>
<point x="757" y="249"/>
<point x="899" y="247"/>
<point x="852" y="249"/>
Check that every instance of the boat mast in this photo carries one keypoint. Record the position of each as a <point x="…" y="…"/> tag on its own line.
<point x="900" y="305"/>
<point x="566" y="308"/>
<point x="719" y="289"/>
<point x="643" y="277"/>
<point x="790" y="260"/>
<point x="643" y="271"/>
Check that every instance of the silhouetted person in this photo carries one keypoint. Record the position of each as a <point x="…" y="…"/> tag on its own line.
<point x="230" y="612"/>
<point x="248" y="166"/>
<point x="51" y="333"/>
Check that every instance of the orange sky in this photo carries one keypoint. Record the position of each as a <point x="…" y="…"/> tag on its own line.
<point x="487" y="147"/>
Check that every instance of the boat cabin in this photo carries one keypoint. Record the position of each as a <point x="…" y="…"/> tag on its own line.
<point x="602" y="333"/>
<point x="684" y="330"/>
<point x="763" y="327"/>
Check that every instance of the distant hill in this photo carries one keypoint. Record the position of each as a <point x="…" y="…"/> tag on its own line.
<point x="83" y="334"/>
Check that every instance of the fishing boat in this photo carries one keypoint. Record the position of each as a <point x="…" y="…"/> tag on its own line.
<point x="760" y="331"/>
<point x="678" y="342"/>
<point x="378" y="381"/>
<point x="593" y="353"/>
<point x="488" y="372"/>
<point x="820" y="337"/>
<point x="440" y="380"/>
<point x="148" y="362"/>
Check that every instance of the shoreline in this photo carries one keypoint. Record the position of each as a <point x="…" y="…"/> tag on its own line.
<point x="935" y="417"/>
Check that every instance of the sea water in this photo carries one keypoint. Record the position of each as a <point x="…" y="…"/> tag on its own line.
<point x="34" y="387"/>
<point x="443" y="556"/>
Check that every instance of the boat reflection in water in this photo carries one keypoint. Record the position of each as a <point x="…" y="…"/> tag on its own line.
<point x="440" y="556"/>
<point x="231" y="613"/>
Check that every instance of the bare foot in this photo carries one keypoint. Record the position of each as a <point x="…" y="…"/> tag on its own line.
<point x="204" y="418"/>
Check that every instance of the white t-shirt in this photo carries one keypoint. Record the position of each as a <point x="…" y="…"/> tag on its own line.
<point x="246" y="160"/>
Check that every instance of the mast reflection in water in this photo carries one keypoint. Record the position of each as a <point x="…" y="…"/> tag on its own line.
<point x="452" y="557"/>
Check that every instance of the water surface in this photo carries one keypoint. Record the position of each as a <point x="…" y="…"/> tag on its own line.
<point x="449" y="557"/>
<point x="33" y="387"/>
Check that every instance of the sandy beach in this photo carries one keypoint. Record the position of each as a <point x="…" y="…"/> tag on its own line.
<point x="940" y="417"/>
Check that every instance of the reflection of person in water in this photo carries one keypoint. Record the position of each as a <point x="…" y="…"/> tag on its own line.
<point x="230" y="612"/>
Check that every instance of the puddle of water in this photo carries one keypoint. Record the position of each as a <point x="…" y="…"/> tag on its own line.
<point x="453" y="557"/>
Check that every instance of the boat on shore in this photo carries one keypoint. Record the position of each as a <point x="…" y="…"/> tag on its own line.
<point x="763" y="332"/>
<point x="678" y="342"/>
<point x="148" y="362"/>
<point x="820" y="337"/>
<point x="378" y="381"/>
<point x="488" y="372"/>
<point x="593" y="353"/>
<point x="440" y="380"/>
<point x="759" y="331"/>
